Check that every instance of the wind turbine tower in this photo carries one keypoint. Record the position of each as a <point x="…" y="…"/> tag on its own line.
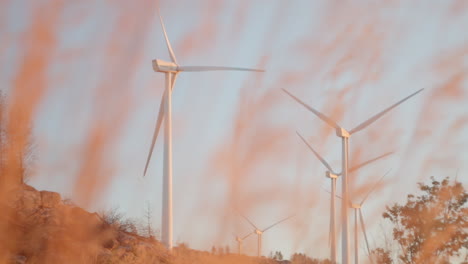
<point x="333" y="176"/>
<point x="239" y="242"/>
<point x="358" y="212"/>
<point x="344" y="135"/>
<point x="171" y="70"/>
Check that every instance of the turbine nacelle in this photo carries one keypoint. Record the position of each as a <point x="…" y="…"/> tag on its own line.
<point x="258" y="232"/>
<point x="331" y="175"/>
<point x="165" y="66"/>
<point x="355" y="206"/>
<point x="341" y="132"/>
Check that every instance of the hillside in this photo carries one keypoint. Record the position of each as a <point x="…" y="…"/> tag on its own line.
<point x="40" y="227"/>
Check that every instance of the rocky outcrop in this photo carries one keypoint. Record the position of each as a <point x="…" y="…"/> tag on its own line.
<point x="37" y="227"/>
<point x="50" y="199"/>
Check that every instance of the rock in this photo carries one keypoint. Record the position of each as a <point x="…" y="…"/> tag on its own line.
<point x="104" y="256"/>
<point x="18" y="259"/>
<point x="28" y="188"/>
<point x="95" y="219"/>
<point x="44" y="217"/>
<point x="80" y="216"/>
<point x="127" y="257"/>
<point x="111" y="243"/>
<point x="47" y="230"/>
<point x="120" y="251"/>
<point x="30" y="200"/>
<point x="50" y="199"/>
<point x="54" y="218"/>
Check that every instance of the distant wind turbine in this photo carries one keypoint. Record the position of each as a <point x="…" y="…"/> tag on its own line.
<point x="171" y="70"/>
<point x="260" y="232"/>
<point x="239" y="242"/>
<point x="333" y="177"/>
<point x="344" y="134"/>
<point x="358" y="210"/>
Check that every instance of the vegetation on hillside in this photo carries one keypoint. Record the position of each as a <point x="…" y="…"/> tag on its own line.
<point x="430" y="227"/>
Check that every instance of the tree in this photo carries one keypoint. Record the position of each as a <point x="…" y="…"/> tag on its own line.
<point x="213" y="250"/>
<point x="381" y="256"/>
<point x="431" y="227"/>
<point x="148" y="229"/>
<point x="278" y="255"/>
<point x="113" y="217"/>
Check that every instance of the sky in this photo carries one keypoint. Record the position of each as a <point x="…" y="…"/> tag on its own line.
<point x="83" y="73"/>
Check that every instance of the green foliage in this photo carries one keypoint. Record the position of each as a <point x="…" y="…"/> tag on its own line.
<point x="431" y="227"/>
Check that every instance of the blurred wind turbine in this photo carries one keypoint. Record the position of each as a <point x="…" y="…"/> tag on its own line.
<point x="260" y="232"/>
<point x="171" y="70"/>
<point x="358" y="210"/>
<point x="344" y="134"/>
<point x="239" y="242"/>
<point x="330" y="173"/>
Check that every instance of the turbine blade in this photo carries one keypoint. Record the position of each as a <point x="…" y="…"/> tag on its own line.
<point x="324" y="118"/>
<point x="247" y="219"/>
<point x="379" y="115"/>
<point x="247" y="236"/>
<point x="168" y="43"/>
<point x="156" y="130"/>
<point x="316" y="154"/>
<point x="375" y="185"/>
<point x="369" y="161"/>
<point x="277" y="223"/>
<point x="214" y="68"/>
<point x="336" y="195"/>
<point x="363" y="226"/>
<point x="173" y="80"/>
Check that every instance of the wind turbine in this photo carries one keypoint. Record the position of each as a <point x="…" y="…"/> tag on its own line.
<point x="344" y="135"/>
<point x="358" y="211"/>
<point x="239" y="242"/>
<point x="171" y="70"/>
<point x="330" y="173"/>
<point x="260" y="232"/>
